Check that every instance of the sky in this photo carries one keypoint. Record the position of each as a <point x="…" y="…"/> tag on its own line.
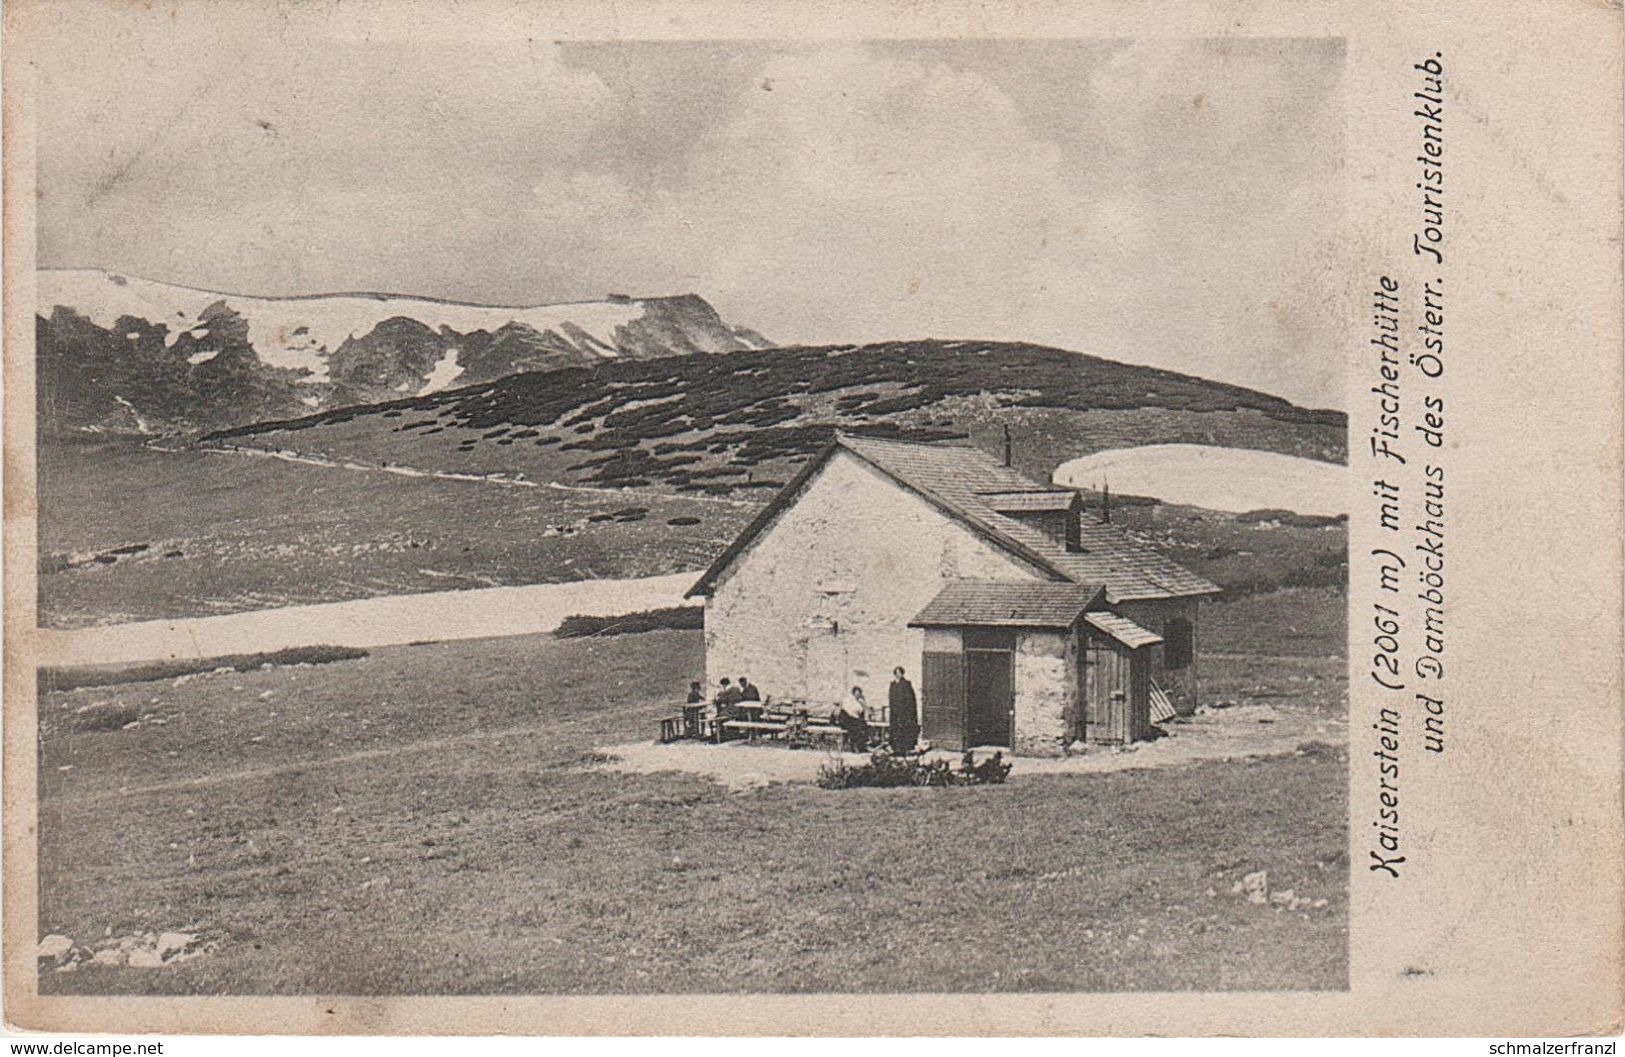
<point x="1173" y="203"/>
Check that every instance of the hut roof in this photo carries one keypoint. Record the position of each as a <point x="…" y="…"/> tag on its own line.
<point x="1122" y="629"/>
<point x="968" y="485"/>
<point x="998" y="603"/>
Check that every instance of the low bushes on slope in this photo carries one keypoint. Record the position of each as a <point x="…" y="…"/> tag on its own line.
<point x="672" y="618"/>
<point x="59" y="679"/>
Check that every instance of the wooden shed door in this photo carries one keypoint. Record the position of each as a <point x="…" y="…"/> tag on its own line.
<point x="1106" y="698"/>
<point x="1097" y="686"/>
<point x="942" y="678"/>
<point x="990" y="696"/>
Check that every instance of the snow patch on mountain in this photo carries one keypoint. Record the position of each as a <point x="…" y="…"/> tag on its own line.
<point x="1237" y="480"/>
<point x="267" y="358"/>
<point x="442" y="374"/>
<point x="301" y="332"/>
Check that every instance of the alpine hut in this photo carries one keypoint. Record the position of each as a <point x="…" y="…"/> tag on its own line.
<point x="1026" y="622"/>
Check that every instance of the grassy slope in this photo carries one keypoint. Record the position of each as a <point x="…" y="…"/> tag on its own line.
<point x="701" y="440"/>
<point x="413" y="822"/>
<point x="225" y="533"/>
<point x="1242" y="556"/>
<point x="743" y="421"/>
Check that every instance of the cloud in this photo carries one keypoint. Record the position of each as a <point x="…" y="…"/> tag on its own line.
<point x="1165" y="203"/>
<point x="865" y="194"/>
<point x="1212" y="234"/>
<point x="1181" y="216"/>
<point x="303" y="152"/>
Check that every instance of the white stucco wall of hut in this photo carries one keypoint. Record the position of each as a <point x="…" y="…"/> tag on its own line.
<point x="1046" y="686"/>
<point x="820" y="601"/>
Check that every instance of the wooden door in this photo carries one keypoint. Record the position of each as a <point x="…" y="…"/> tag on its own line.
<point x="990" y="697"/>
<point x="942" y="701"/>
<point x="1106" y="701"/>
<point x="1097" y="686"/>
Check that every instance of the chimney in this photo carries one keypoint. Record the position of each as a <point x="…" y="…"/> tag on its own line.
<point x="1007" y="444"/>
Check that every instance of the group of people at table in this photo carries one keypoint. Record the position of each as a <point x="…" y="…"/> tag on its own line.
<point x="743" y="700"/>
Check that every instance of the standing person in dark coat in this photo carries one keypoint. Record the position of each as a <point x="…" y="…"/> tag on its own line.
<point x="903" y="707"/>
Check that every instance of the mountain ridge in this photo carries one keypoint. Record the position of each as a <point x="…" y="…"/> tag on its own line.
<point x="738" y="423"/>
<point x="117" y="350"/>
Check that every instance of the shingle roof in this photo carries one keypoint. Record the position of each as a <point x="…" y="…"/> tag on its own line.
<point x="1033" y="499"/>
<point x="1122" y="629"/>
<point x="997" y="603"/>
<point x="961" y="480"/>
<point x="959" y="477"/>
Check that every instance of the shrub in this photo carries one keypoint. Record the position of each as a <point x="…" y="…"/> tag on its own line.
<point x="672" y="618"/>
<point x="59" y="679"/>
<point x="1292" y="519"/>
<point x="887" y="771"/>
<point x="54" y="563"/>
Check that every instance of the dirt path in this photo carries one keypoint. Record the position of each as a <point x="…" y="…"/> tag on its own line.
<point x="1214" y="734"/>
<point x="390" y="620"/>
<point x="250" y="774"/>
<point x="399" y="470"/>
<point x="1252" y="730"/>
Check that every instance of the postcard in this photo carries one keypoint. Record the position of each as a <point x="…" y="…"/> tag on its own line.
<point x="813" y="519"/>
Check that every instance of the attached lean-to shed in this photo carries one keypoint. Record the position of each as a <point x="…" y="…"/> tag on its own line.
<point x="1117" y="674"/>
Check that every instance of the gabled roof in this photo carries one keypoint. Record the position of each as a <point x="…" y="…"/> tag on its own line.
<point x="960" y="480"/>
<point x="1010" y="604"/>
<point x="1122" y="629"/>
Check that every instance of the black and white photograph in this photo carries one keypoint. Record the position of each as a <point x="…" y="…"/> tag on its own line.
<point x="528" y="514"/>
<point x="897" y="544"/>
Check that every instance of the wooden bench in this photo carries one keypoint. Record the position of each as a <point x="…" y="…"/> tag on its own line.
<point x="754" y="728"/>
<point x="689" y="723"/>
<point x="826" y="732"/>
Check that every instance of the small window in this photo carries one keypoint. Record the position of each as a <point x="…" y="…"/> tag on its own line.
<point x="1177" y="641"/>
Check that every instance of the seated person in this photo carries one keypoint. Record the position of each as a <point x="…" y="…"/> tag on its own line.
<point x="696" y="695"/>
<point x="852" y="717"/>
<point x="748" y="691"/>
<point x="727" y="700"/>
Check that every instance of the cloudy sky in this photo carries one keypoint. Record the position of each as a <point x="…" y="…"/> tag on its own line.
<point x="1170" y="203"/>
